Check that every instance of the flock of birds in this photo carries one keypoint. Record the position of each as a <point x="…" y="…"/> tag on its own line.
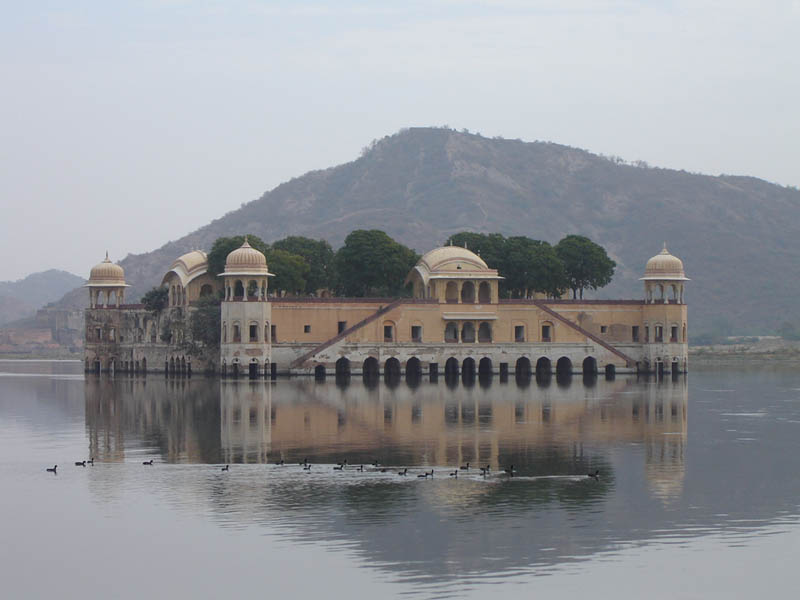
<point x="374" y="467"/>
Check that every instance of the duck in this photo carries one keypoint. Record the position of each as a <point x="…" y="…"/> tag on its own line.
<point x="403" y="472"/>
<point x="360" y="468"/>
<point x="595" y="475"/>
<point x="53" y="470"/>
<point x="465" y="467"/>
<point x="343" y="463"/>
<point x="485" y="470"/>
<point x="279" y="463"/>
<point x="339" y="467"/>
<point x="426" y="474"/>
<point x="375" y="463"/>
<point x="81" y="463"/>
<point x="226" y="468"/>
<point x="148" y="462"/>
<point x="454" y="474"/>
<point x="307" y="467"/>
<point x="91" y="461"/>
<point x="509" y="471"/>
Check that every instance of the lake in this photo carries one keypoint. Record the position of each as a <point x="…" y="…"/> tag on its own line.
<point x="697" y="496"/>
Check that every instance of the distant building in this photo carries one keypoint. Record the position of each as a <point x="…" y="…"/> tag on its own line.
<point x="455" y="323"/>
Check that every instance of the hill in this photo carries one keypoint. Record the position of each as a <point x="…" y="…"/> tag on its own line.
<point x="21" y="299"/>
<point x="738" y="236"/>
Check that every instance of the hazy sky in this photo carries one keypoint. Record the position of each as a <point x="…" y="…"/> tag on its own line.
<point x="126" y="125"/>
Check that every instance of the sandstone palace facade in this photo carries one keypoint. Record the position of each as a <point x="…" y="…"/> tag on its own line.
<point x="454" y="323"/>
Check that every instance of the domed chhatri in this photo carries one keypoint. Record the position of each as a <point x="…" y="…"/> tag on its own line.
<point x="664" y="266"/>
<point x="106" y="285"/>
<point x="664" y="279"/>
<point x="246" y="260"/>
<point x="107" y="274"/>
<point x="451" y="274"/>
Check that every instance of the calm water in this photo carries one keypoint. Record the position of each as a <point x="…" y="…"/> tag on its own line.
<point x="698" y="494"/>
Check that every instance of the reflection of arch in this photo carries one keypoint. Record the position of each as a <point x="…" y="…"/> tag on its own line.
<point x="543" y="366"/>
<point x="564" y="366"/>
<point x="523" y="366"/>
<point x="485" y="333"/>
<point x="319" y="372"/>
<point x="451" y="292"/>
<point x="484" y="293"/>
<point x="370" y="368"/>
<point x="468" y="292"/>
<point x="468" y="332"/>
<point x="589" y="366"/>
<point x="343" y="367"/>
<point x="451" y="332"/>
<point x="172" y="365"/>
<point x="485" y="366"/>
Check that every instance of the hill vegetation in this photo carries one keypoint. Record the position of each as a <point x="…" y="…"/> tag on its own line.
<point x="739" y="237"/>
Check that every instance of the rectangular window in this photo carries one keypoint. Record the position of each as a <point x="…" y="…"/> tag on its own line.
<point x="603" y="329"/>
<point x="341" y="326"/>
<point x="306" y="328"/>
<point x="416" y="333"/>
<point x="98" y="334"/>
<point x="112" y="334"/>
<point x="253" y="333"/>
<point x="673" y="336"/>
<point x="388" y="333"/>
<point x="635" y="333"/>
<point x="519" y="333"/>
<point x="659" y="333"/>
<point x="272" y="335"/>
<point x="545" y="333"/>
<point x="647" y="333"/>
<point x="237" y="335"/>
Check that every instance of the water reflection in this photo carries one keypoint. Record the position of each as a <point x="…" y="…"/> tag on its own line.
<point x="553" y="435"/>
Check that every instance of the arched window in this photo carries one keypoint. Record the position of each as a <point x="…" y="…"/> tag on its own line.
<point x="451" y="292"/>
<point x="237" y="334"/>
<point x="484" y="333"/>
<point x="451" y="332"/>
<point x="253" y="331"/>
<point x="238" y="289"/>
<point x="225" y="332"/>
<point x="468" y="332"/>
<point x="485" y="293"/>
<point x="468" y="292"/>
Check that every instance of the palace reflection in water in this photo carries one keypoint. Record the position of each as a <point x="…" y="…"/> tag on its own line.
<point x="553" y="434"/>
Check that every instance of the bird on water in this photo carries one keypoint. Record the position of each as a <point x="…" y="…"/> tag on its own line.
<point x="148" y="462"/>
<point x="91" y="461"/>
<point x="595" y="475"/>
<point x="509" y="471"/>
<point x="53" y="470"/>
<point x="80" y="463"/>
<point x="465" y="467"/>
<point x="454" y="474"/>
<point x="403" y="472"/>
<point x="226" y="468"/>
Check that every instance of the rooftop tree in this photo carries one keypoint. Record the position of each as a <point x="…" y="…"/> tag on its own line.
<point x="586" y="264"/>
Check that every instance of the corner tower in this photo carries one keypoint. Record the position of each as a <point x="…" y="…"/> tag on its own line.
<point x="245" y="345"/>
<point x="664" y="314"/>
<point x="106" y="285"/>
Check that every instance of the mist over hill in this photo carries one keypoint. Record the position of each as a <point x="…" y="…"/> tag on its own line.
<point x="20" y="299"/>
<point x="739" y="237"/>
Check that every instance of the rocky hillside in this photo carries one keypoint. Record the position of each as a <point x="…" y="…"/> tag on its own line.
<point x="21" y="299"/>
<point x="739" y="237"/>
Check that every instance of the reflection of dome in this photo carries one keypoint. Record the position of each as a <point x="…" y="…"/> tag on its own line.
<point x="246" y="260"/>
<point x="664" y="266"/>
<point x="107" y="274"/>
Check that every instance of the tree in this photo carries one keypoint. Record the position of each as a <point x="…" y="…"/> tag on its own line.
<point x="586" y="264"/>
<point x="225" y="245"/>
<point x="372" y="264"/>
<point x="205" y="321"/>
<point x="319" y="256"/>
<point x="531" y="266"/>
<point x="156" y="299"/>
<point x="290" y="272"/>
<point x="490" y="247"/>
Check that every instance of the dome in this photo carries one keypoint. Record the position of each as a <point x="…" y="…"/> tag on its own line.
<point x="246" y="260"/>
<point x="449" y="258"/>
<point x="107" y="274"/>
<point x="188" y="267"/>
<point x="664" y="266"/>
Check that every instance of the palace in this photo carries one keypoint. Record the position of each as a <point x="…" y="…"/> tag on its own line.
<point x="454" y="323"/>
